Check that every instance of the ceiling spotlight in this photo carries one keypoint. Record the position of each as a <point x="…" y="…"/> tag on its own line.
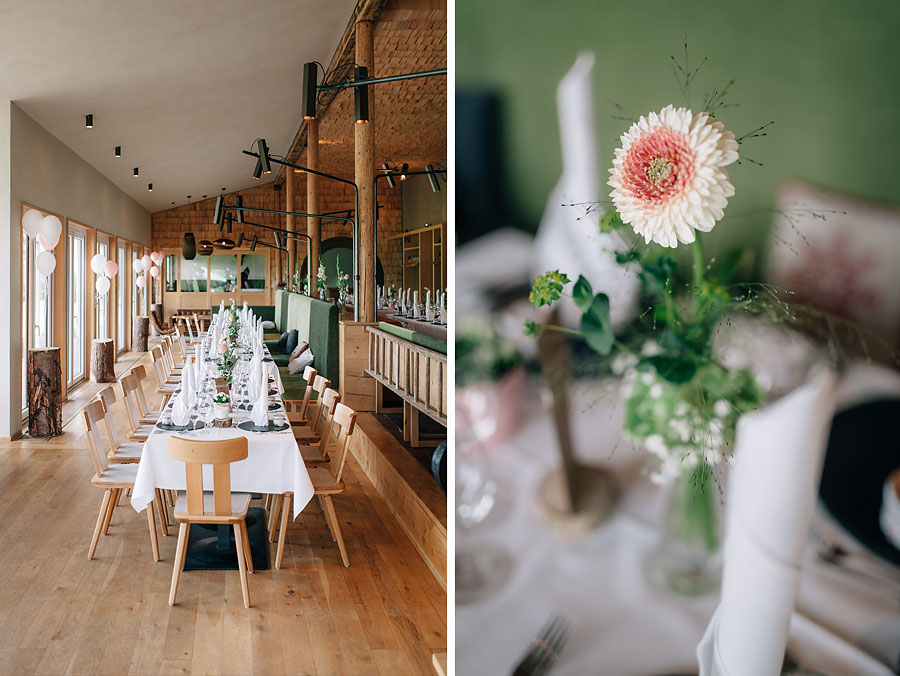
<point x="239" y="203"/>
<point x="257" y="172"/>
<point x="403" y="170"/>
<point x="308" y="103"/>
<point x="361" y="95"/>
<point x="217" y="212"/>
<point x="390" y="175"/>
<point x="150" y="187"/>
<point x="264" y="156"/>
<point x="89" y="121"/>
<point x="432" y="178"/>
<point x="136" y="172"/>
<point x="253" y="242"/>
<point x="118" y="151"/>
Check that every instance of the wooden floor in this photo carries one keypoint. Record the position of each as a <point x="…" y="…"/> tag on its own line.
<point x="63" y="614"/>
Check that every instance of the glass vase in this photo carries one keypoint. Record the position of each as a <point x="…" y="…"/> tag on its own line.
<point x="687" y="558"/>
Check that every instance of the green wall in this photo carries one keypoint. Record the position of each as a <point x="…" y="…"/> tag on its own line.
<point x="825" y="71"/>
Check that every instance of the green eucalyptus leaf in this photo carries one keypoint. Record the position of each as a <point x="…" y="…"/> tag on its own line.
<point x="675" y="369"/>
<point x="596" y="326"/>
<point x="583" y="294"/>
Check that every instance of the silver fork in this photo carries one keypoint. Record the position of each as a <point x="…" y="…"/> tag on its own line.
<point x="545" y="648"/>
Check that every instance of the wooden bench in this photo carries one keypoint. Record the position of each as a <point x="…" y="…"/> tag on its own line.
<point x="416" y="374"/>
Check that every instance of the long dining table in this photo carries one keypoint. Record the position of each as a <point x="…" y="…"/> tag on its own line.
<point x="273" y="464"/>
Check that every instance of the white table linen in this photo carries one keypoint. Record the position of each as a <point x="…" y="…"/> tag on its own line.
<point x="622" y="625"/>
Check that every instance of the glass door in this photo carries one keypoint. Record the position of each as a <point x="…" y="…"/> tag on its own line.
<point x="77" y="256"/>
<point x="120" y="298"/>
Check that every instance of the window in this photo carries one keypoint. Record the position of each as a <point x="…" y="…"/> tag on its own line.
<point x="77" y="304"/>
<point x="102" y="301"/>
<point x="135" y="308"/>
<point x="171" y="272"/>
<point x="145" y="292"/>
<point x="223" y="273"/>
<point x="253" y="272"/>
<point x="37" y="308"/>
<point x="120" y="298"/>
<point x="193" y="274"/>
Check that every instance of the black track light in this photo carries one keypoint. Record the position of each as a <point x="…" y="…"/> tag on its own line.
<point x="361" y="95"/>
<point x="403" y="170"/>
<point x="89" y="121"/>
<point x="264" y="156"/>
<point x="390" y="175"/>
<point x="432" y="178"/>
<point x="118" y="151"/>
<point x="257" y="171"/>
<point x="278" y="239"/>
<point x="150" y="187"/>
<point x="308" y="103"/>
<point x="253" y="242"/>
<point x="228" y="220"/>
<point x="137" y="172"/>
<point x="217" y="211"/>
<point x="240" y="239"/>
<point x="239" y="203"/>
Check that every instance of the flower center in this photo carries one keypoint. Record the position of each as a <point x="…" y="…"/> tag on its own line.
<point x="658" y="169"/>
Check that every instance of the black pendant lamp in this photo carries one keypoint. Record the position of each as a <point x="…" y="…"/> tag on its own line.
<point x="189" y="247"/>
<point x="205" y="247"/>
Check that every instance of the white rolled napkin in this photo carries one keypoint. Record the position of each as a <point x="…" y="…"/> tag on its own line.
<point x="260" y="414"/>
<point x="771" y="496"/>
<point x="181" y="415"/>
<point x="187" y="379"/>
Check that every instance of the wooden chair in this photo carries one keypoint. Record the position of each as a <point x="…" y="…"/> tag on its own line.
<point x="316" y="454"/>
<point x="113" y="479"/>
<point x="164" y="386"/>
<point x="128" y="452"/>
<point x="220" y="506"/>
<point x="310" y="434"/>
<point x="200" y="332"/>
<point x="160" y="329"/>
<point x="327" y="481"/>
<point x="138" y="431"/>
<point x="298" y="416"/>
<point x="172" y="364"/>
<point x="186" y="320"/>
<point x="148" y="417"/>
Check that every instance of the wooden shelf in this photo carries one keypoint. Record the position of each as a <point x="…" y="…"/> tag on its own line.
<point x="426" y="245"/>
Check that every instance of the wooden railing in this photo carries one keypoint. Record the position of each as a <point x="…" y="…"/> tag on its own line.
<point x="418" y="375"/>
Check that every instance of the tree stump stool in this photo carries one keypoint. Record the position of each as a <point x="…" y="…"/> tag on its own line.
<point x="140" y="333"/>
<point x="157" y="310"/>
<point x="44" y="392"/>
<point x="103" y="360"/>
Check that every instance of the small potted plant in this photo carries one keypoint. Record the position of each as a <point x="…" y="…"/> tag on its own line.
<point x="222" y="403"/>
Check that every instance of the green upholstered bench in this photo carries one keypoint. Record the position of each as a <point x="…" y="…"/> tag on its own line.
<point x="429" y="342"/>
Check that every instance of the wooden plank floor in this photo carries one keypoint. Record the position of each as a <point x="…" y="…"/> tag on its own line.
<point x="63" y="614"/>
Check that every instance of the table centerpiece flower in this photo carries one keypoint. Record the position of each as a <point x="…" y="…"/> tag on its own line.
<point x="320" y="279"/>
<point x="222" y="402"/>
<point x="343" y="281"/>
<point x="681" y="403"/>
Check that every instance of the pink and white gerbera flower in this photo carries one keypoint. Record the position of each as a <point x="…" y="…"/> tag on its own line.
<point x="668" y="178"/>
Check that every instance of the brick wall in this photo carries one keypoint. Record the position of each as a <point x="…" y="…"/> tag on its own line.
<point x="169" y="226"/>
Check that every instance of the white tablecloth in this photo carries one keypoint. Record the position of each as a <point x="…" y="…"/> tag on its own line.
<point x="622" y="625"/>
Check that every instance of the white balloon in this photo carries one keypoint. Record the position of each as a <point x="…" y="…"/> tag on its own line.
<point x="111" y="268"/>
<point x="154" y="271"/>
<point x="155" y="256"/>
<point x="102" y="285"/>
<point x="141" y="281"/>
<point x="51" y="229"/>
<point x="45" y="262"/>
<point x="98" y="264"/>
<point x="43" y="242"/>
<point x="138" y="266"/>
<point x="31" y="222"/>
<point x="147" y="261"/>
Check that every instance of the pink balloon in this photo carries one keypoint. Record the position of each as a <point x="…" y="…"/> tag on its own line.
<point x="44" y="242"/>
<point x="111" y="269"/>
<point x="141" y="282"/>
<point x="154" y="271"/>
<point x="147" y="261"/>
<point x="155" y="256"/>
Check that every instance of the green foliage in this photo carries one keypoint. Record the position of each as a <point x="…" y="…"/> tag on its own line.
<point x="611" y="221"/>
<point x="532" y="329"/>
<point x="583" y="294"/>
<point x="596" y="326"/>
<point x="547" y="288"/>
<point x="482" y="355"/>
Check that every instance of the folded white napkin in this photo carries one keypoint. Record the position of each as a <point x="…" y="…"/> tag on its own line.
<point x="187" y="378"/>
<point x="180" y="413"/>
<point x="771" y="497"/>
<point x="260" y="414"/>
<point x="568" y="238"/>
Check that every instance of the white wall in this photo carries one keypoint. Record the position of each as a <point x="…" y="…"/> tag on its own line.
<point x="44" y="172"/>
<point x="420" y="204"/>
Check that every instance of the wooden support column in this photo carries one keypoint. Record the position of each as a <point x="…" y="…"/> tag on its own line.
<point x="313" y="225"/>
<point x="365" y="176"/>
<point x="289" y="225"/>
